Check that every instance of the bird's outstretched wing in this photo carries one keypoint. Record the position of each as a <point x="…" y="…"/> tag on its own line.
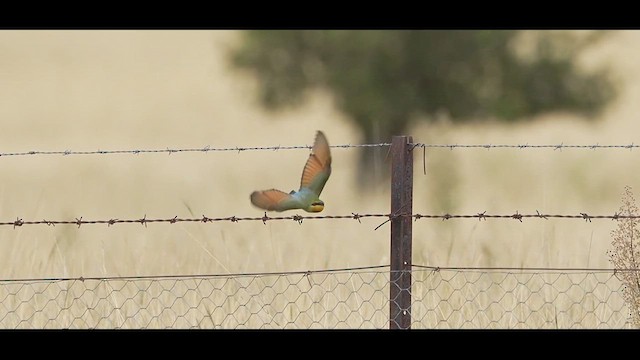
<point x="273" y="199"/>
<point x="318" y="167"/>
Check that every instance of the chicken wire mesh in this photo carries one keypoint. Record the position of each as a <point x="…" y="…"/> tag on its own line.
<point x="352" y="299"/>
<point x="485" y="299"/>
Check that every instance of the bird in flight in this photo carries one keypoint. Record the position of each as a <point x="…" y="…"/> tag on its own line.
<point x="314" y="176"/>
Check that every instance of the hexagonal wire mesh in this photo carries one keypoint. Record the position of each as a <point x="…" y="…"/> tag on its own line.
<point x="480" y="298"/>
<point x="334" y="299"/>
<point x="325" y="299"/>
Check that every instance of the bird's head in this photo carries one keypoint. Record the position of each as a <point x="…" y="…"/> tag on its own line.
<point x="315" y="206"/>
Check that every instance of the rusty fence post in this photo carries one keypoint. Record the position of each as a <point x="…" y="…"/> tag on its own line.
<point x="401" y="204"/>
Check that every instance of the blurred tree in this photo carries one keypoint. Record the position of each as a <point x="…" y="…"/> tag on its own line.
<point x="385" y="79"/>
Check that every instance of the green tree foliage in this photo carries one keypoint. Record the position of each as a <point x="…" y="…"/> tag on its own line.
<point x="385" y="79"/>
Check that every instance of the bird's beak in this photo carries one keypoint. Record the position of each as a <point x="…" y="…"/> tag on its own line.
<point x="315" y="208"/>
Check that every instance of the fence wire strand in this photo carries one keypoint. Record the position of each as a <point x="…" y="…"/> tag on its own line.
<point x="522" y="269"/>
<point x="525" y="146"/>
<point x="192" y="276"/>
<point x="300" y="218"/>
<point x="239" y="149"/>
<point x="170" y="151"/>
<point x="323" y="271"/>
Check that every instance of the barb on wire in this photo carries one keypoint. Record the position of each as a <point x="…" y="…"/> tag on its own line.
<point x="541" y="216"/>
<point x="356" y="217"/>
<point x="514" y="216"/>
<point x="18" y="222"/>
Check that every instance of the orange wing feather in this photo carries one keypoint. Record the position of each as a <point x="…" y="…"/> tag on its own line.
<point x="319" y="163"/>
<point x="272" y="200"/>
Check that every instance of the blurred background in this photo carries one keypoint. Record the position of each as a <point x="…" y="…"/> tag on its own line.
<point x="128" y="89"/>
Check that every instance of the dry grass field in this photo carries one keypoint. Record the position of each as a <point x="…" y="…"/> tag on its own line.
<point x="108" y="90"/>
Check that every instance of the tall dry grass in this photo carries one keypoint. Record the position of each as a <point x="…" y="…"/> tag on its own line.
<point x="625" y="255"/>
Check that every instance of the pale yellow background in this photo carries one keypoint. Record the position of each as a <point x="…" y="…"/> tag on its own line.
<point x="108" y="90"/>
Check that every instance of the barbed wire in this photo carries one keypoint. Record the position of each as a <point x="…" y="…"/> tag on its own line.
<point x="299" y="218"/>
<point x="204" y="149"/>
<point x="517" y="216"/>
<point x="239" y="149"/>
<point x="176" y="219"/>
<point x="525" y="146"/>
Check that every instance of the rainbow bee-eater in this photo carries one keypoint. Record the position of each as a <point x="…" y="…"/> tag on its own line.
<point x="315" y="174"/>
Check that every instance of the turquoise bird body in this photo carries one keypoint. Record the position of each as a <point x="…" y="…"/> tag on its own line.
<point x="314" y="176"/>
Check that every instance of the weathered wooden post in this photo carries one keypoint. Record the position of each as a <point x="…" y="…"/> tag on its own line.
<point x="401" y="205"/>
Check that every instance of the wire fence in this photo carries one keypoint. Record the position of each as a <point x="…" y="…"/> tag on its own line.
<point x="479" y="298"/>
<point x="462" y="297"/>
